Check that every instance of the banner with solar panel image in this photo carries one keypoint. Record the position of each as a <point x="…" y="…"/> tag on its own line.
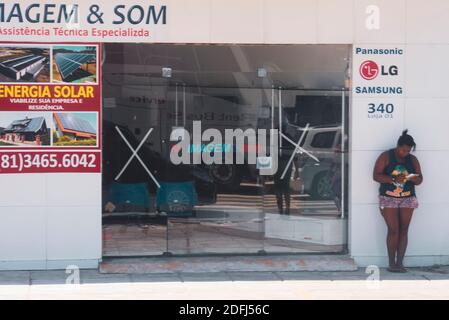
<point x="75" y="129"/>
<point x="50" y="120"/>
<point x="24" y="63"/>
<point x="25" y="129"/>
<point x="74" y="64"/>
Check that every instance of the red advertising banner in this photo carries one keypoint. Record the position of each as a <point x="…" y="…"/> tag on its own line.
<point x="50" y="108"/>
<point x="28" y="97"/>
<point x="47" y="161"/>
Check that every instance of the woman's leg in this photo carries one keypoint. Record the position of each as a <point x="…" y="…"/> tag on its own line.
<point x="391" y="216"/>
<point x="405" y="216"/>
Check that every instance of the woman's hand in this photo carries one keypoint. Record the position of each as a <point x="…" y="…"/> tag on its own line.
<point x="415" y="179"/>
<point x="401" y="179"/>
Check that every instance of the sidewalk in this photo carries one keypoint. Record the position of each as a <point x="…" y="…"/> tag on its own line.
<point x="418" y="283"/>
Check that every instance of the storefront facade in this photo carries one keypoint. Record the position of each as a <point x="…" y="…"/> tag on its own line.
<point x="317" y="89"/>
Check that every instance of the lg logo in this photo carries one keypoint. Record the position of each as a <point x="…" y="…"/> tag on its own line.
<point x="369" y="70"/>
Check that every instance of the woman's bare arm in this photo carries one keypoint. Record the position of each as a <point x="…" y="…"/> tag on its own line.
<point x="418" y="179"/>
<point x="379" y="167"/>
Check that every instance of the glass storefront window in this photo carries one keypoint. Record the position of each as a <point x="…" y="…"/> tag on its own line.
<point x="155" y="92"/>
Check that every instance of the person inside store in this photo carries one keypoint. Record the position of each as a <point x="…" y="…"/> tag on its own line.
<point x="398" y="172"/>
<point x="282" y="183"/>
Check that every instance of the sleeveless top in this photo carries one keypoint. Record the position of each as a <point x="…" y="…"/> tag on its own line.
<point x="395" y="168"/>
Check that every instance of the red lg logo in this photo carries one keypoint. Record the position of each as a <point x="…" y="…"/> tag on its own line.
<point x="369" y="70"/>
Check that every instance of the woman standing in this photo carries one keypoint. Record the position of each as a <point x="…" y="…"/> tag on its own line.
<point x="398" y="172"/>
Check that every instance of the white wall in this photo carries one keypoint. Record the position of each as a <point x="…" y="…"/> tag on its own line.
<point x="50" y="219"/>
<point x="423" y="30"/>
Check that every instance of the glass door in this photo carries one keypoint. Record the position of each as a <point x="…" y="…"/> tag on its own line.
<point x="304" y="202"/>
<point x="133" y="160"/>
<point x="214" y="208"/>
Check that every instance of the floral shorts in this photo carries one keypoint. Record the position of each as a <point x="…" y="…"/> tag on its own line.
<point x="390" y="202"/>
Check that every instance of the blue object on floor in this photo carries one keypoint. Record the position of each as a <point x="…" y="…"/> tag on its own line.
<point x="177" y="198"/>
<point x="129" y="193"/>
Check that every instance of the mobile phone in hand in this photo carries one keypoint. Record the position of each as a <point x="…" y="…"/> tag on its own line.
<point x="411" y="176"/>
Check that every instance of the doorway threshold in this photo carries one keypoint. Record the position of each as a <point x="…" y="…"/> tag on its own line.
<point x="189" y="264"/>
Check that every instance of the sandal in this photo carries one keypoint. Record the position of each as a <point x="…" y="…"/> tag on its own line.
<point x="394" y="269"/>
<point x="402" y="269"/>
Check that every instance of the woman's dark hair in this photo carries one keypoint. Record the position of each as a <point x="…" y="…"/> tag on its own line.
<point x="406" y="139"/>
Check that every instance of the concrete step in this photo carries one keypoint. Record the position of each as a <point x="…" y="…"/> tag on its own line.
<point x="228" y="264"/>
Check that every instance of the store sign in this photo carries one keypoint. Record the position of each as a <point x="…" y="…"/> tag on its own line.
<point x="50" y="108"/>
<point x="378" y="76"/>
<point x="369" y="70"/>
<point x="378" y="71"/>
<point x="102" y="21"/>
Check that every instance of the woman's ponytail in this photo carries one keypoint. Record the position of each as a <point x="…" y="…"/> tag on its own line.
<point x="406" y="139"/>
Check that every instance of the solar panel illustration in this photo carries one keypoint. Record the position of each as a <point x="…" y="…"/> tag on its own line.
<point x="72" y="122"/>
<point x="68" y="63"/>
<point x="35" y="124"/>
